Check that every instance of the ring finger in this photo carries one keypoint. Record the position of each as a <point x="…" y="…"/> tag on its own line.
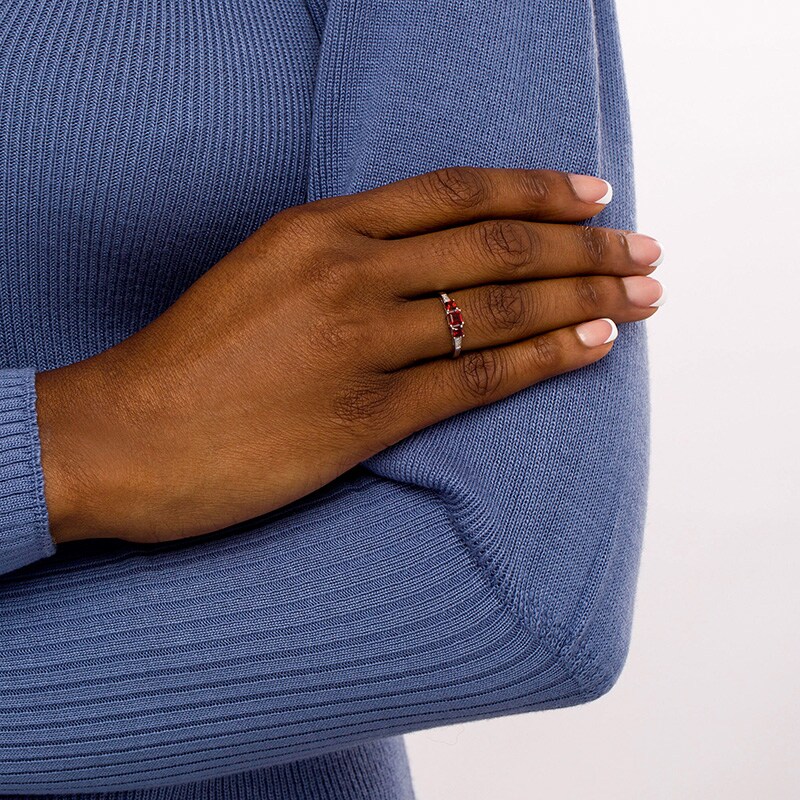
<point x="496" y="314"/>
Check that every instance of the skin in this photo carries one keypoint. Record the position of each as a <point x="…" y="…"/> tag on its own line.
<point x="320" y="340"/>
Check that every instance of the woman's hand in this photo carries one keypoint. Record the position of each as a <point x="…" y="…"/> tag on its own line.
<point x="321" y="339"/>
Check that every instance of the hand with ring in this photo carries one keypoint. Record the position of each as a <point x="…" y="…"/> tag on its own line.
<point x="327" y="336"/>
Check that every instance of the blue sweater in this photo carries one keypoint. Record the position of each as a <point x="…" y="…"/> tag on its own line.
<point x="481" y="567"/>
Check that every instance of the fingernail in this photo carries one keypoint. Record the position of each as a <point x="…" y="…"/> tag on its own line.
<point x="643" y="291"/>
<point x="645" y="249"/>
<point x="597" y="332"/>
<point x="591" y="189"/>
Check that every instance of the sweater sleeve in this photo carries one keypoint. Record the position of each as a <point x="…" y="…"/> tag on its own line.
<point x="481" y="567"/>
<point x="24" y="532"/>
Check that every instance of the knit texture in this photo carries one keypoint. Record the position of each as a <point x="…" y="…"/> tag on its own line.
<point x="373" y="770"/>
<point x="24" y="534"/>
<point x="483" y="566"/>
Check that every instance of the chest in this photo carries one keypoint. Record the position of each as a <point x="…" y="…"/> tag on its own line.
<point x="139" y="142"/>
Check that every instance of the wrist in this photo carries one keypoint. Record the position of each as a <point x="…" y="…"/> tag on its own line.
<point x="74" y="451"/>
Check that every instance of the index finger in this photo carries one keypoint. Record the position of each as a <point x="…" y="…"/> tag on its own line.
<point x="458" y="195"/>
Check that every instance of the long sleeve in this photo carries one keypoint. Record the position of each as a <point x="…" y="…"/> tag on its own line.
<point x="547" y="489"/>
<point x="24" y="534"/>
<point x="483" y="566"/>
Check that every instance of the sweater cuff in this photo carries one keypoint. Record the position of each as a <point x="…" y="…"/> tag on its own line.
<point x="24" y="526"/>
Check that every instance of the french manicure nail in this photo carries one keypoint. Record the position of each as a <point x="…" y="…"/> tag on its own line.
<point x="643" y="291"/>
<point x="661" y="299"/>
<point x="645" y="249"/>
<point x="597" y="332"/>
<point x="591" y="189"/>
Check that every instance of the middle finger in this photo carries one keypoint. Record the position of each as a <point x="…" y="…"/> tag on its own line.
<point x="512" y="250"/>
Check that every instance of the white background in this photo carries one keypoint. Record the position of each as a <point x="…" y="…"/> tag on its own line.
<point x="709" y="703"/>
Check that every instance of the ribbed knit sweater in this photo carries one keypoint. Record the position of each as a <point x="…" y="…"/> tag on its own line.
<point x="484" y="566"/>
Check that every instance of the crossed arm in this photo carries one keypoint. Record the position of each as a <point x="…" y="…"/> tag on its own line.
<point x="403" y="594"/>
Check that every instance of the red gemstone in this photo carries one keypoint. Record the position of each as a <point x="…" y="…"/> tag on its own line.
<point x="457" y="331"/>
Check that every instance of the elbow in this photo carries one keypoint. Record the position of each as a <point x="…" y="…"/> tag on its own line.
<point x="592" y="637"/>
<point x="597" y="664"/>
<point x="571" y="587"/>
<point x="583" y="664"/>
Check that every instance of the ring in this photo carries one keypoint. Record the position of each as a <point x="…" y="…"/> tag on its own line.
<point x="455" y="321"/>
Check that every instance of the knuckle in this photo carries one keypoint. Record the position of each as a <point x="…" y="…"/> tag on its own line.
<point x="460" y="187"/>
<point x="536" y="186"/>
<point x="589" y="293"/>
<point x="341" y="336"/>
<point x="482" y="373"/>
<point x="328" y="208"/>
<point x="545" y="353"/>
<point x="330" y="277"/>
<point x="337" y="276"/>
<point x="358" y="406"/>
<point x="300" y="221"/>
<point x="338" y="215"/>
<point x="309" y="222"/>
<point x="508" y="243"/>
<point x="595" y="245"/>
<point x="502" y="306"/>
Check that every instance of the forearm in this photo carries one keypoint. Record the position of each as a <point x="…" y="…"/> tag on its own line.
<point x="549" y="486"/>
<point x="371" y="607"/>
<point x="357" y="613"/>
<point x="488" y="564"/>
